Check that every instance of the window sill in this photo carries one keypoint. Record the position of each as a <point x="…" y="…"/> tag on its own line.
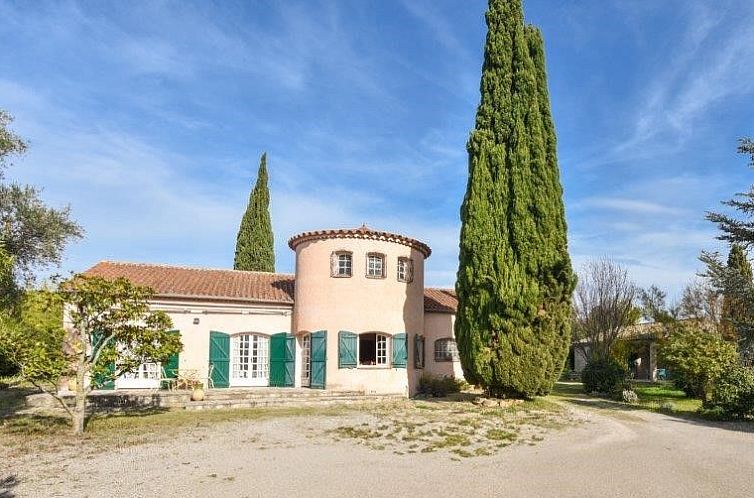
<point x="374" y="367"/>
<point x="375" y="277"/>
<point x="341" y="276"/>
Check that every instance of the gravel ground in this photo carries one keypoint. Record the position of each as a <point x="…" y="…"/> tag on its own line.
<point x="612" y="453"/>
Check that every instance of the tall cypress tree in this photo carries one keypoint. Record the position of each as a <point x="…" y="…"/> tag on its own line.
<point x="255" y="246"/>
<point x="514" y="279"/>
<point x="735" y="312"/>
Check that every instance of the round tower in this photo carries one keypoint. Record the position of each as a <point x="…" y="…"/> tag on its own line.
<point x="365" y="289"/>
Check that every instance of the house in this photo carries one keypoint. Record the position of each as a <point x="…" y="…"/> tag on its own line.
<point x="355" y="316"/>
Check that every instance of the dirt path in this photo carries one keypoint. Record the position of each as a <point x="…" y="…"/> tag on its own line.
<point x="611" y="454"/>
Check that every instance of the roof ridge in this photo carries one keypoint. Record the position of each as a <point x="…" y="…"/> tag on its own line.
<point x="196" y="268"/>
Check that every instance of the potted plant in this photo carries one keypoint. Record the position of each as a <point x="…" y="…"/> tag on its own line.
<point x="198" y="392"/>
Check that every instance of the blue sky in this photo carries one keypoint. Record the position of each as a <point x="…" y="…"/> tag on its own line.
<point x="148" y="118"/>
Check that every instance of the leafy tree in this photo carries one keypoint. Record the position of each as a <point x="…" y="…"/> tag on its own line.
<point x="603" y="306"/>
<point x="654" y="306"/>
<point x="109" y="330"/>
<point x="33" y="234"/>
<point x="255" y="245"/>
<point x="736" y="230"/>
<point x="697" y="358"/>
<point x="734" y="311"/>
<point x="514" y="280"/>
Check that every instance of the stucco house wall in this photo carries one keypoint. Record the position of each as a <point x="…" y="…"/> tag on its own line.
<point x="228" y="317"/>
<point x="202" y="300"/>
<point x="359" y="304"/>
<point x="439" y="326"/>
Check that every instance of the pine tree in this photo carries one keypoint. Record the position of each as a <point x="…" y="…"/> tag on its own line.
<point x="734" y="311"/>
<point x="515" y="279"/>
<point x="255" y="246"/>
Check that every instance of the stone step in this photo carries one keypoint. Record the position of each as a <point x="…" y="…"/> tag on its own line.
<point x="218" y="394"/>
<point x="293" y="402"/>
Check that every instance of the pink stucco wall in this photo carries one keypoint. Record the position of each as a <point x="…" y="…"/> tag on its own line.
<point x="359" y="304"/>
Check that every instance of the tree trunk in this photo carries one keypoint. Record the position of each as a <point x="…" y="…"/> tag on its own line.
<point x="79" y="409"/>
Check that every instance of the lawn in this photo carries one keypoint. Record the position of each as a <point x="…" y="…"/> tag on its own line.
<point x="661" y="396"/>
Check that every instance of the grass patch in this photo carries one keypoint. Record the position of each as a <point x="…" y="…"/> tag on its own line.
<point x="34" y="433"/>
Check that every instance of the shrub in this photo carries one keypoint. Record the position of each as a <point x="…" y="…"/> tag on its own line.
<point x="603" y="376"/>
<point x="697" y="358"/>
<point x="629" y="396"/>
<point x="733" y="392"/>
<point x="439" y="386"/>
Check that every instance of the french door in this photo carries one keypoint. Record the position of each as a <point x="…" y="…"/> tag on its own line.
<point x="250" y="361"/>
<point x="146" y="376"/>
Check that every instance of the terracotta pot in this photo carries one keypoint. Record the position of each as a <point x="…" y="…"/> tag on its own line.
<point x="197" y="394"/>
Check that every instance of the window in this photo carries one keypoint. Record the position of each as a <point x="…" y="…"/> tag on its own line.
<point x="405" y="270"/>
<point x="372" y="349"/>
<point x="446" y="350"/>
<point x="306" y="354"/>
<point x="375" y="265"/>
<point x="341" y="264"/>
<point x="250" y="359"/>
<point x="144" y="371"/>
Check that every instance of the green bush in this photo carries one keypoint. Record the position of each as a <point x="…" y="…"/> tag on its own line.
<point x="733" y="393"/>
<point x="697" y="358"/>
<point x="605" y="376"/>
<point x="439" y="386"/>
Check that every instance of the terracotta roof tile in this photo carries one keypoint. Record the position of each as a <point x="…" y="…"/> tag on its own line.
<point x="233" y="285"/>
<point x="363" y="232"/>
<point x="180" y="281"/>
<point x="440" y="300"/>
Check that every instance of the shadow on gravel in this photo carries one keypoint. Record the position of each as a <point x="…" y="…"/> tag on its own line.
<point x="6" y="486"/>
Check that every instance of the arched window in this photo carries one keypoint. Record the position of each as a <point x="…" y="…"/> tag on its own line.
<point x="446" y="350"/>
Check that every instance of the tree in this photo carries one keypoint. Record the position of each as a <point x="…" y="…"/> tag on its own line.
<point x="109" y="330"/>
<point x="697" y="358"/>
<point x="733" y="310"/>
<point x="255" y="245"/>
<point x="603" y="306"/>
<point x="702" y="303"/>
<point x="740" y="231"/>
<point x="514" y="280"/>
<point x="734" y="280"/>
<point x="654" y="306"/>
<point x="33" y="234"/>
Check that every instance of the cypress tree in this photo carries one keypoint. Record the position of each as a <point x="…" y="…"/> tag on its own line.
<point x="255" y="246"/>
<point x="514" y="280"/>
<point x="734" y="311"/>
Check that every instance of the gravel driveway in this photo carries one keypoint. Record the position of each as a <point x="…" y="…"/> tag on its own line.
<point x="613" y="453"/>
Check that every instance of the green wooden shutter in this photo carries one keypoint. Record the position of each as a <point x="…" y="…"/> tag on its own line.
<point x="277" y="359"/>
<point x="400" y="351"/>
<point x="318" y="359"/>
<point x="290" y="360"/>
<point x="171" y="366"/>
<point x="346" y="349"/>
<point x="103" y="381"/>
<point x="419" y="351"/>
<point x="219" y="356"/>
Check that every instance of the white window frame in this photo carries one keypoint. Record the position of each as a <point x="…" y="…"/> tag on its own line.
<point x="446" y="349"/>
<point x="381" y="350"/>
<point x="405" y="270"/>
<point x="250" y="360"/>
<point x="375" y="270"/>
<point x="145" y="376"/>
<point x="341" y="265"/>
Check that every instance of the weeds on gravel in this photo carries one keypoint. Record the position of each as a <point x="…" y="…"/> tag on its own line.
<point x="455" y="426"/>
